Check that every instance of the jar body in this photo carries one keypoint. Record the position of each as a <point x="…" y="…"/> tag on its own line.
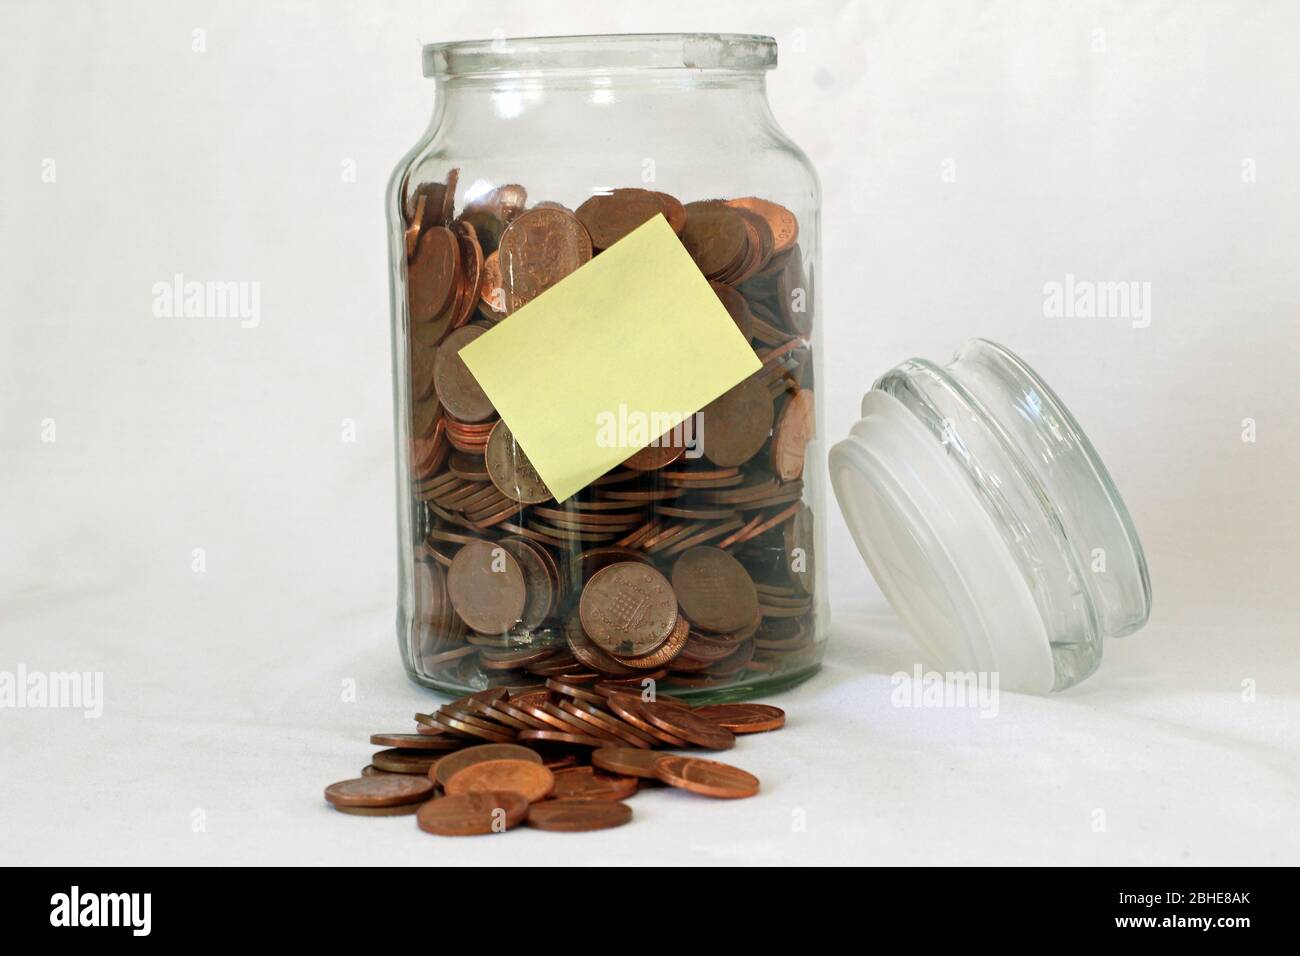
<point x="525" y="126"/>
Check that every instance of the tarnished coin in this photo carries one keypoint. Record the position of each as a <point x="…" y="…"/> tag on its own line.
<point x="797" y="537"/>
<point x="381" y="791"/>
<point x="577" y="816"/>
<point x="486" y="587"/>
<point x="630" y="761"/>
<point x="687" y="725"/>
<point x="492" y="290"/>
<point x="452" y="764"/>
<point x="541" y="586"/>
<point x="706" y="777"/>
<point x="401" y="810"/>
<point x="525" y="777"/>
<point x="431" y="278"/>
<point x="455" y="384"/>
<point x="510" y="470"/>
<point x="630" y="707"/>
<point x="537" y="250"/>
<point x="665" y="449"/>
<point x="714" y="589"/>
<point x="471" y="814"/>
<point x="585" y="783"/>
<point x="561" y="737"/>
<point x="628" y="608"/>
<point x="714" y="236"/>
<point x="608" y="218"/>
<point x="737" y="307"/>
<point x="415" y="762"/>
<point x="665" y="652"/>
<point x="794" y="429"/>
<point x="408" y="741"/>
<point x="744" y="718"/>
<point x="737" y="423"/>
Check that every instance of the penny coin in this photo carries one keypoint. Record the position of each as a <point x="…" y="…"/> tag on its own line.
<point x="561" y="737"/>
<point x="714" y="589"/>
<point x="797" y="538"/>
<point x="455" y="384"/>
<point x="584" y="783"/>
<point x="794" y="294"/>
<point x="471" y="814"/>
<point x="382" y="791"/>
<point x="401" y="810"/>
<point x="611" y="217"/>
<point x="404" y="761"/>
<point x="492" y="291"/>
<point x="370" y="770"/>
<point x="794" y="429"/>
<point x="736" y="423"/>
<point x="538" y="249"/>
<point x="431" y="283"/>
<point x="510" y="470"/>
<point x="537" y="577"/>
<point x="674" y="211"/>
<point x="665" y="449"/>
<point x="744" y="718"/>
<point x="628" y="608"/>
<point x="577" y="816"/>
<point x="784" y="226"/>
<point x="715" y="236"/>
<point x="630" y="761"/>
<point x="452" y="764"/>
<point x="486" y="587"/>
<point x="706" y="777"/>
<point x="629" y="707"/>
<point x="687" y="725"/>
<point x="516" y="776"/>
<point x="408" y="741"/>
<point x="665" y="652"/>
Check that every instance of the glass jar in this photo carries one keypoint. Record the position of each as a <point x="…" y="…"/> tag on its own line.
<point x="989" y="520"/>
<point x="589" y="136"/>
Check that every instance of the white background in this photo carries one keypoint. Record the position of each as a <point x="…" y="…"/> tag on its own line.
<point x="1104" y="140"/>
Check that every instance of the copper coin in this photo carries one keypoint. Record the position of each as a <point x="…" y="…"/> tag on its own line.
<point x="630" y="708"/>
<point x="585" y="783"/>
<point x="537" y="250"/>
<point x="405" y="761"/>
<point x="588" y="652"/>
<point x="687" y="725"/>
<point x="455" y="384"/>
<point x="665" y="449"/>
<point x="744" y="718"/>
<point x="795" y="294"/>
<point x="714" y="236"/>
<point x="674" y="211"/>
<point x="510" y="470"/>
<point x="401" y="810"/>
<point x="630" y="761"/>
<point x="797" y="538"/>
<point x="578" y="816"/>
<point x="561" y="737"/>
<point x="486" y="587"/>
<point x="471" y="814"/>
<point x="516" y="776"/>
<point x="610" y="217"/>
<point x="381" y="791"/>
<point x="431" y="280"/>
<point x="794" y="429"/>
<point x="537" y="578"/>
<point x="706" y="777"/>
<point x="370" y="770"/>
<point x="408" y="741"/>
<point x="452" y="764"/>
<point x="736" y="423"/>
<point x="714" y="589"/>
<point x="492" y="291"/>
<point x="665" y="652"/>
<point x="628" y="608"/>
<point x="782" y="222"/>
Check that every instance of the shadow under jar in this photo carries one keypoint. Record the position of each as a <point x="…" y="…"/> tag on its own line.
<point x="541" y="154"/>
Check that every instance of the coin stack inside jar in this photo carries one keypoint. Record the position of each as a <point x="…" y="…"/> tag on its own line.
<point x="691" y="563"/>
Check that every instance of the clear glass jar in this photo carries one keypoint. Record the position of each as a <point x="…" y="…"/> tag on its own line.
<point x="659" y="123"/>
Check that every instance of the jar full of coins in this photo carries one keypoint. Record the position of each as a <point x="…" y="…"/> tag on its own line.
<point x="553" y="171"/>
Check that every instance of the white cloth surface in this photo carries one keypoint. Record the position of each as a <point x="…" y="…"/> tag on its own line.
<point x="1118" y="155"/>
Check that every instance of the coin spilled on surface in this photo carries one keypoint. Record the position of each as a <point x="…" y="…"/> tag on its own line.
<point x="559" y="757"/>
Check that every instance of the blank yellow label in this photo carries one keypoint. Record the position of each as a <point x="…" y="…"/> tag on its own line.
<point x="635" y="335"/>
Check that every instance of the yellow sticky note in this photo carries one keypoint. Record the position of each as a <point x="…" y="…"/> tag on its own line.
<point x="634" y="335"/>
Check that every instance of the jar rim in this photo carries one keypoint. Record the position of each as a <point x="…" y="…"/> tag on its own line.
<point x="733" y="52"/>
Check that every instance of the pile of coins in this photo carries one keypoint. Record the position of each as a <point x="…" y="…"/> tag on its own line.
<point x="559" y="757"/>
<point x="691" y="564"/>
